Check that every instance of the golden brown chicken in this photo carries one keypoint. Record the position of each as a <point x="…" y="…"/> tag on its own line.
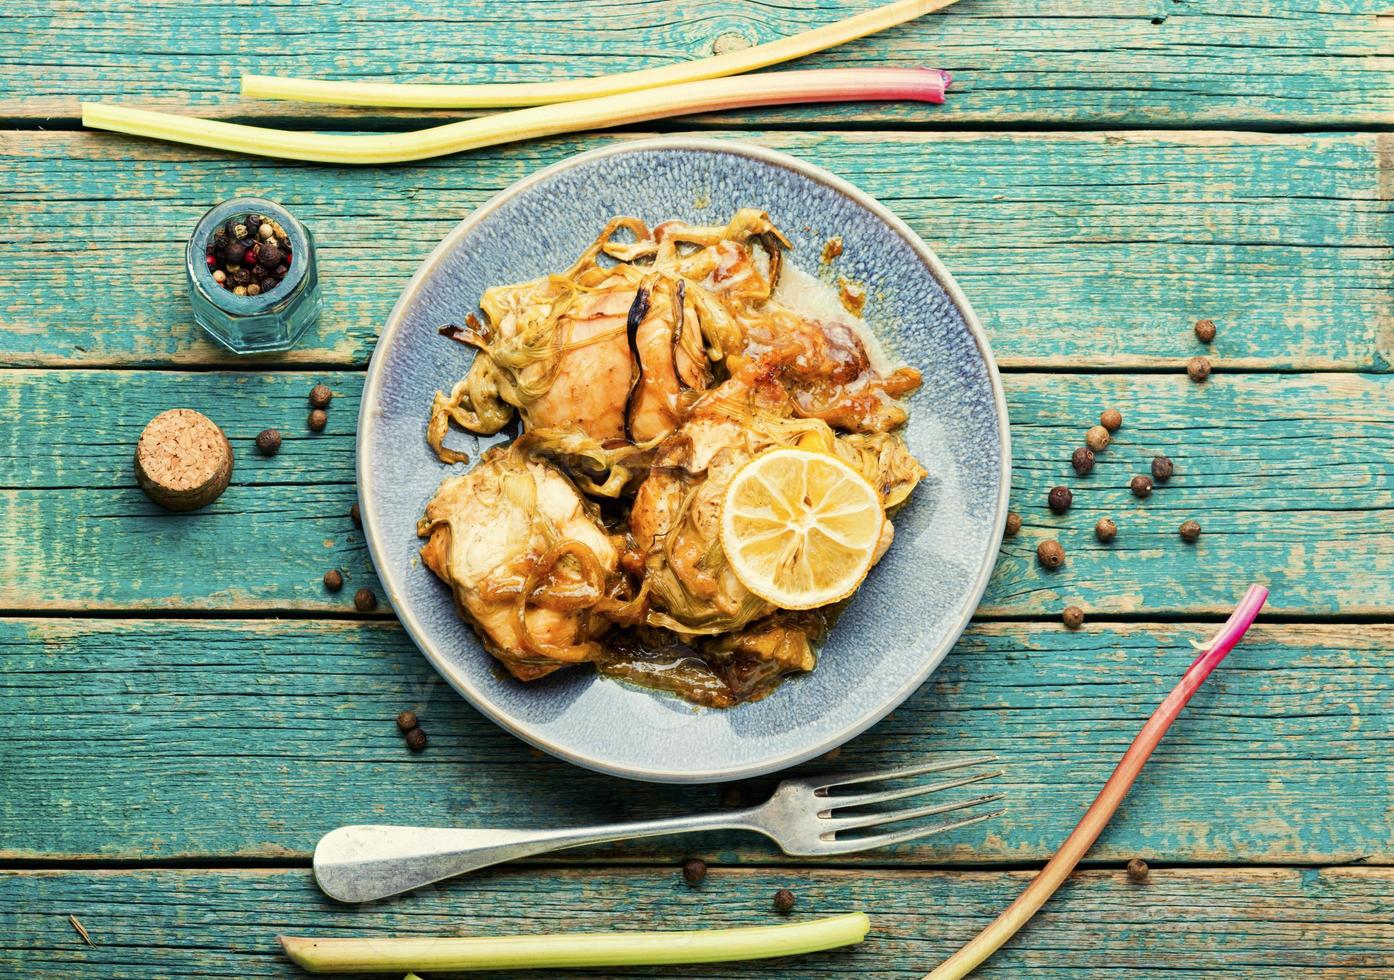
<point x="556" y="352"/>
<point x="675" y="518"/>
<point x="530" y="565"/>
<point x="567" y="351"/>
<point x="673" y="367"/>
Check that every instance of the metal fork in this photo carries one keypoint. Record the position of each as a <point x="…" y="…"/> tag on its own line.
<point x="804" y="816"/>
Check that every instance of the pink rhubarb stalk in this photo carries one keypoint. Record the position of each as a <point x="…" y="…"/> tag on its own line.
<point x="712" y="95"/>
<point x="1083" y="837"/>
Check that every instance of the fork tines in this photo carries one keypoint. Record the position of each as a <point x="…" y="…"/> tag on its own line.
<point x="837" y="824"/>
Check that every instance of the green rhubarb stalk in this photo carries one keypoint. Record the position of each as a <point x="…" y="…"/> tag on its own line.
<point x="775" y="88"/>
<point x="566" y="951"/>
<point x="497" y="96"/>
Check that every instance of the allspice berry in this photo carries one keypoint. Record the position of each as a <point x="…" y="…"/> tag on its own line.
<point x="356" y="516"/>
<point x="1013" y="523"/>
<point x="694" y="870"/>
<point x="406" y="721"/>
<point x="1082" y="460"/>
<point x="183" y="461"/>
<point x="1059" y="499"/>
<point x="1190" y="531"/>
<point x="364" y="600"/>
<point x="1073" y="617"/>
<point x="1050" y="554"/>
<point x="1205" y="331"/>
<point x="1137" y="870"/>
<point x="416" y="740"/>
<point x="1198" y="368"/>
<point x="1105" y="530"/>
<point x="1161" y="468"/>
<point x="1111" y="419"/>
<point x="269" y="442"/>
<point x="1097" y="438"/>
<point x="318" y="420"/>
<point x="783" y="901"/>
<point x="320" y="396"/>
<point x="1141" y="487"/>
<point x="333" y="580"/>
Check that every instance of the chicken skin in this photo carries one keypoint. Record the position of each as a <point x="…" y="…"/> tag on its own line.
<point x="673" y="368"/>
<point x="488" y="534"/>
<point x="595" y="370"/>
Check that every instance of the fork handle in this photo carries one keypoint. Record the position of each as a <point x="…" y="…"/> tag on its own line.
<point x="367" y="862"/>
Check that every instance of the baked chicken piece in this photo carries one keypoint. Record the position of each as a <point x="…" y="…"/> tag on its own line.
<point x="613" y="351"/>
<point x="527" y="559"/>
<point x="557" y="352"/>
<point x="675" y="521"/>
<point x="673" y="367"/>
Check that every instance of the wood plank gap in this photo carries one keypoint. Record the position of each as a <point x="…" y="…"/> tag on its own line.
<point x="612" y="862"/>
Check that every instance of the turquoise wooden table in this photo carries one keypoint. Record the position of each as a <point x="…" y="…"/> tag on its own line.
<point x="184" y="709"/>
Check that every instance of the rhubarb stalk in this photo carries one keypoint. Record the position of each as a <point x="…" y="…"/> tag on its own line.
<point x="775" y="88"/>
<point x="987" y="942"/>
<point x="496" y="96"/>
<point x="568" y="951"/>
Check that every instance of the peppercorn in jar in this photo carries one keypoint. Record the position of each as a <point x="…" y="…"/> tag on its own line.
<point x="250" y="256"/>
<point x="252" y="276"/>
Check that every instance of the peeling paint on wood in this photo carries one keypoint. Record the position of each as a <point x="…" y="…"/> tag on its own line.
<point x="1291" y="476"/>
<point x="244" y="739"/>
<point x="191" y="740"/>
<point x="1288" y="923"/>
<point x="1134" y="63"/>
<point x="1079" y="250"/>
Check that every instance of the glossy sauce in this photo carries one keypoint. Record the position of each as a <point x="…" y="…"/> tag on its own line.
<point x="661" y="660"/>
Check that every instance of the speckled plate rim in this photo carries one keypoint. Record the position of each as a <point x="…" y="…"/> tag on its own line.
<point x="390" y="576"/>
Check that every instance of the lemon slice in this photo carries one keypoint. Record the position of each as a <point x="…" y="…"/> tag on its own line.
<point x="799" y="528"/>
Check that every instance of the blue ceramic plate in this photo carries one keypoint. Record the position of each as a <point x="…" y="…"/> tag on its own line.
<point x="915" y="602"/>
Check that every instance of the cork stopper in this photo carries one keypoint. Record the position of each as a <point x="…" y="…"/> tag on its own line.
<point x="183" y="460"/>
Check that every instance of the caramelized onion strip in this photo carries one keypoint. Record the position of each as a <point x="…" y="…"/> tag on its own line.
<point x="536" y="590"/>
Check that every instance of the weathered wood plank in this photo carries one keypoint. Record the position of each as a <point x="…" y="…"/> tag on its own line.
<point x="1291" y="478"/>
<point x="1076" y="249"/>
<point x="1263" y="463"/>
<point x="186" y="739"/>
<point x="1255" y="923"/>
<point x="1141" y="62"/>
<point x="80" y="428"/>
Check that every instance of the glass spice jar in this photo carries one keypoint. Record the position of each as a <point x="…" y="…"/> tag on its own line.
<point x="273" y="320"/>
